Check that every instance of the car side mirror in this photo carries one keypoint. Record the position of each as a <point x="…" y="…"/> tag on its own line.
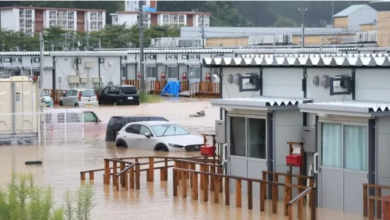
<point x="148" y="135"/>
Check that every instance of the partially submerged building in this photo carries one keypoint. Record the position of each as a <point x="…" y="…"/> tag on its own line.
<point x="337" y="106"/>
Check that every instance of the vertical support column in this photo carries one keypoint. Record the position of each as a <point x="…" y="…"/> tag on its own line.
<point x="250" y="195"/>
<point x="122" y="177"/>
<point x="371" y="154"/>
<point x="238" y="193"/>
<point x="166" y="169"/>
<point x="132" y="178"/>
<point x="270" y="149"/>
<point x="227" y="191"/>
<point x="195" y="186"/>
<point x="352" y="86"/>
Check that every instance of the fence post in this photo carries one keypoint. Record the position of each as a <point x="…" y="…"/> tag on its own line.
<point x="287" y="191"/>
<point x="313" y="204"/>
<point x="184" y="181"/>
<point x="371" y="209"/>
<point x="82" y="176"/>
<point x="275" y="194"/>
<point x="91" y="175"/>
<point x="122" y="179"/>
<point x="263" y="194"/>
<point x="195" y="186"/>
<point x="106" y="172"/>
<point x="238" y="193"/>
<point x="220" y="180"/>
<point x="175" y="180"/>
<point x="206" y="187"/>
<point x="250" y="196"/>
<point x="379" y="203"/>
<point x="151" y="169"/>
<point x="365" y="200"/>
<point x="137" y="176"/>
<point x="212" y="177"/>
<point x="132" y="178"/>
<point x="216" y="189"/>
<point x="227" y="191"/>
<point x="166" y="169"/>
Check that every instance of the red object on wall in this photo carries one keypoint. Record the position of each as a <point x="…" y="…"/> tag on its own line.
<point x="383" y="208"/>
<point x="207" y="150"/>
<point x="208" y="77"/>
<point x="294" y="160"/>
<point x="184" y="77"/>
<point x="162" y="76"/>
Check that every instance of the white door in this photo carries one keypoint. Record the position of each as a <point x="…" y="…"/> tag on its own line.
<point x="194" y="74"/>
<point x="343" y="165"/>
<point x="144" y="142"/>
<point x="132" y="135"/>
<point x="247" y="148"/>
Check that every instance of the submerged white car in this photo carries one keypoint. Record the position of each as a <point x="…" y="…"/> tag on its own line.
<point x="158" y="136"/>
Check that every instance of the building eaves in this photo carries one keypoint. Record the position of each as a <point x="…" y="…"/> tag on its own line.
<point x="353" y="108"/>
<point x="51" y="8"/>
<point x="259" y="103"/>
<point x="342" y="60"/>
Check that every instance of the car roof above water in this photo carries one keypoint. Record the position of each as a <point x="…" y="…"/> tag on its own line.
<point x="151" y="123"/>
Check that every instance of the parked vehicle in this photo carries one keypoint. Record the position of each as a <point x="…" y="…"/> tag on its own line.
<point x="83" y="98"/>
<point x="119" y="95"/>
<point x="158" y="136"/>
<point x="48" y="101"/>
<point x="116" y="123"/>
<point x="91" y="120"/>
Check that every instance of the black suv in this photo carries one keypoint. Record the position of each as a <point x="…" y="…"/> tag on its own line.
<point x="116" y="123"/>
<point x="119" y="95"/>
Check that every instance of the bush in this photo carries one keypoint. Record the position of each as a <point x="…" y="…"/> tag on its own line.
<point x="23" y="200"/>
<point x="145" y="97"/>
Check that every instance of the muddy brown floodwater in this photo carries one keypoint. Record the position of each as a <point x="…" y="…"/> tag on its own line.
<point x="62" y="165"/>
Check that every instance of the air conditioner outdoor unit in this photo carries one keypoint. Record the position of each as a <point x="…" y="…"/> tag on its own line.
<point x="74" y="79"/>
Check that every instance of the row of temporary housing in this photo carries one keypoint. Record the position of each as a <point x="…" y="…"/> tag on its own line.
<point x="340" y="113"/>
<point x="64" y="70"/>
<point x="270" y="39"/>
<point x="319" y="61"/>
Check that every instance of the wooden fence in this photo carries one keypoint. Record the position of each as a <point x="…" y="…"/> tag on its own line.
<point x="205" y="89"/>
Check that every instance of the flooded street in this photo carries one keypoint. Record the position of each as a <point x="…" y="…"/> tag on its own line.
<point x="62" y="165"/>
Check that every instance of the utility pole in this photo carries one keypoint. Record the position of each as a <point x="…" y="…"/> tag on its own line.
<point x="141" y="44"/>
<point x="41" y="51"/>
<point x="202" y="18"/>
<point x="303" y="10"/>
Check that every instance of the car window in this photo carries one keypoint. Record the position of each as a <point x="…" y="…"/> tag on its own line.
<point x="112" y="121"/>
<point x="74" y="93"/>
<point x="129" y="90"/>
<point x="169" y="130"/>
<point x="144" y="130"/>
<point x="134" y="129"/>
<point x="68" y="93"/>
<point x="89" y="117"/>
<point x="113" y="91"/>
<point x="87" y="93"/>
<point x="105" y="91"/>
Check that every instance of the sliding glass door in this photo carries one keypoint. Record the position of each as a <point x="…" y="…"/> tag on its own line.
<point x="343" y="165"/>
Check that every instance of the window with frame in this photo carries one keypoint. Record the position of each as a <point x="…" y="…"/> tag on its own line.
<point x="181" y="18"/>
<point x="28" y="13"/>
<point x="70" y="25"/>
<point x="165" y="19"/>
<point x="100" y="16"/>
<point x="195" y="72"/>
<point x="248" y="137"/>
<point x="93" y="16"/>
<point x="70" y="15"/>
<point x="93" y="25"/>
<point x="172" y="72"/>
<point x="151" y="71"/>
<point x="344" y="146"/>
<point x="52" y="14"/>
<point x="100" y="25"/>
<point x="173" y="18"/>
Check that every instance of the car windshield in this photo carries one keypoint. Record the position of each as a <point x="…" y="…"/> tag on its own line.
<point x="87" y="93"/>
<point x="169" y="130"/>
<point x="129" y="90"/>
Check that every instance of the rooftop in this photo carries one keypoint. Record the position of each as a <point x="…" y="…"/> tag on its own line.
<point x="49" y="8"/>
<point x="349" y="10"/>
